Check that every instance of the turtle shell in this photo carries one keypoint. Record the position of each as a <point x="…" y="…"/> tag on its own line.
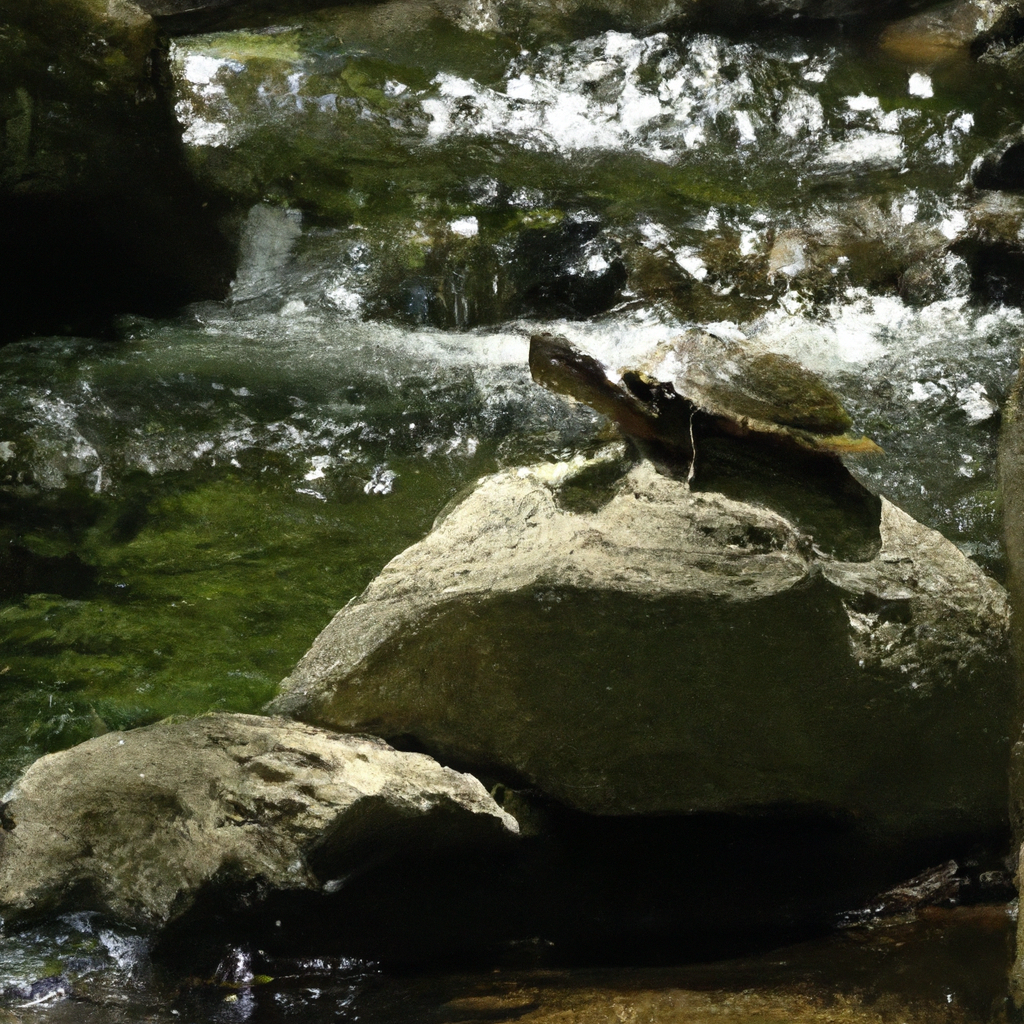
<point x="699" y="385"/>
<point x="727" y="380"/>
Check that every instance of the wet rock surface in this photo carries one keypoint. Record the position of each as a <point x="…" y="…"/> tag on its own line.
<point x="140" y="825"/>
<point x="678" y="651"/>
<point x="1003" y="167"/>
<point x="98" y="210"/>
<point x="954" y="30"/>
<point x="1011" y="472"/>
<point x="947" y="969"/>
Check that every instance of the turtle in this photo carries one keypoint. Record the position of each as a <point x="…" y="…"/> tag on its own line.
<point x="698" y="385"/>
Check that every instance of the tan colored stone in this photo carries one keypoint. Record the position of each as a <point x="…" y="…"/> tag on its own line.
<point x="949" y="31"/>
<point x="136" y="824"/>
<point x="677" y="651"/>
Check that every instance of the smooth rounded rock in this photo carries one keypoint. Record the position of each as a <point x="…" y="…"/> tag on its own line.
<point x="139" y="824"/>
<point x="950" y="30"/>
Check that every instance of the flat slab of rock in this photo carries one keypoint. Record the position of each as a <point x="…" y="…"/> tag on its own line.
<point x="137" y="824"/>
<point x="675" y="652"/>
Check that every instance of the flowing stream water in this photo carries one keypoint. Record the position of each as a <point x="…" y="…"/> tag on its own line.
<point x="187" y="504"/>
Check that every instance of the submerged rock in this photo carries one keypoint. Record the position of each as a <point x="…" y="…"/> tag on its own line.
<point x="140" y="824"/>
<point x="1003" y="166"/>
<point x="733" y="272"/>
<point x="951" y="30"/>
<point x="676" y="651"/>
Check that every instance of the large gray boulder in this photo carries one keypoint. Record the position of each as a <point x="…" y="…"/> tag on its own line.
<point x="138" y="824"/>
<point x="677" y="651"/>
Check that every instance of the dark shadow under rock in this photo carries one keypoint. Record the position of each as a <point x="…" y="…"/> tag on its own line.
<point x="819" y="495"/>
<point x="590" y="890"/>
<point x="1002" y="167"/>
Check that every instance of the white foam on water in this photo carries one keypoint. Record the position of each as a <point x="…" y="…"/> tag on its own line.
<point x="382" y="480"/>
<point x="745" y="126"/>
<point x="198" y="131"/>
<point x="963" y="123"/>
<point x="749" y="242"/>
<point x="466" y="227"/>
<point x="801" y="113"/>
<point x="862" y="102"/>
<point x="202" y="107"/>
<point x="599" y="94"/>
<point x="943" y="146"/>
<point x="976" y="403"/>
<point x="343" y="298"/>
<point x="864" y="147"/>
<point x="129" y="952"/>
<point x="953" y="225"/>
<point x="201" y="69"/>
<point x="857" y="332"/>
<point x="920" y="85"/>
<point x="865" y="328"/>
<point x="691" y="262"/>
<point x="614" y="91"/>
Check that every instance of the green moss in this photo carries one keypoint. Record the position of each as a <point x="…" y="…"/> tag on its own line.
<point x="537" y="219"/>
<point x="246" y="46"/>
<point x="360" y="82"/>
<point x="206" y="593"/>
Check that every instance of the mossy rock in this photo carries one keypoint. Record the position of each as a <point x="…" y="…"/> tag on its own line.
<point x="94" y="193"/>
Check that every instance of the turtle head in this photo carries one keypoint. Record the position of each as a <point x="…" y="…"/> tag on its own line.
<point x="555" y="363"/>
